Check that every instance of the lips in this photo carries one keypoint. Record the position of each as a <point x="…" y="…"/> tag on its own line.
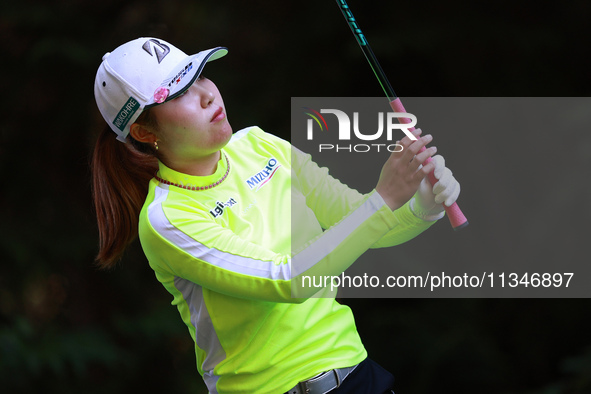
<point x="218" y="115"/>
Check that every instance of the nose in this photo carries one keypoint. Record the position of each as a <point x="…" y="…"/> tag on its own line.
<point x="206" y="95"/>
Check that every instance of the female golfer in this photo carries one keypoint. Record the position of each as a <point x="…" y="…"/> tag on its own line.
<point x="232" y="222"/>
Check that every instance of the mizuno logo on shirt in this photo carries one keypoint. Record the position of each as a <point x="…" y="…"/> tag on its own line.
<point x="262" y="177"/>
<point x="220" y="206"/>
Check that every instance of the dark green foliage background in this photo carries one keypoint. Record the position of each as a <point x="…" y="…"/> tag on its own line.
<point x="67" y="327"/>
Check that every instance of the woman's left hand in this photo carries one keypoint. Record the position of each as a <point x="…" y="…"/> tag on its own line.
<point x="428" y="201"/>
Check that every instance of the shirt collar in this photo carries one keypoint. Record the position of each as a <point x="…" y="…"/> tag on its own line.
<point x="180" y="178"/>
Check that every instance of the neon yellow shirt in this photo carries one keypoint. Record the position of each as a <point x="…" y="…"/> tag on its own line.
<point x="231" y="255"/>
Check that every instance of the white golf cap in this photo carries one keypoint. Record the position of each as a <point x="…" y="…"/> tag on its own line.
<point x="143" y="73"/>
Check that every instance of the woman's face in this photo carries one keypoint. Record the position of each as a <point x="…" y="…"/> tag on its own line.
<point x="193" y="125"/>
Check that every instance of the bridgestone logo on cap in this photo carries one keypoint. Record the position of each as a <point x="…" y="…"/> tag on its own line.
<point x="126" y="112"/>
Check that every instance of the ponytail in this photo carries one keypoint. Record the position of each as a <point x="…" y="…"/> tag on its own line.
<point x="120" y="177"/>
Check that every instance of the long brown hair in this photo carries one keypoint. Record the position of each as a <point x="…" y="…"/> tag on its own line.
<point x="120" y="176"/>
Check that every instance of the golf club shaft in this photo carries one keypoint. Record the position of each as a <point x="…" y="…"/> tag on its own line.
<point x="455" y="215"/>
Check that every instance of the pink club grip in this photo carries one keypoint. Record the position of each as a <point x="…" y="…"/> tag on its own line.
<point x="455" y="215"/>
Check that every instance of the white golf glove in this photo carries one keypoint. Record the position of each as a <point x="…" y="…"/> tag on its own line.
<point x="427" y="203"/>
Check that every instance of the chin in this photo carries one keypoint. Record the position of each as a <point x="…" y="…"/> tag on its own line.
<point x="227" y="131"/>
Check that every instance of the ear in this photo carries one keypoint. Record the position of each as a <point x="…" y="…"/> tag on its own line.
<point x="142" y="134"/>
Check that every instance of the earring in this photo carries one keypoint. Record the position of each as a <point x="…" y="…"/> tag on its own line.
<point x="156" y="145"/>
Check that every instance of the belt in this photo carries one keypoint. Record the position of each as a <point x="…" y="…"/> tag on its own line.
<point x="322" y="383"/>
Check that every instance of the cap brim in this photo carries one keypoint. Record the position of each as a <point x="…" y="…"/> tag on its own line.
<point x="185" y="74"/>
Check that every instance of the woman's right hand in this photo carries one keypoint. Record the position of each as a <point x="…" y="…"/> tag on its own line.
<point x="403" y="171"/>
